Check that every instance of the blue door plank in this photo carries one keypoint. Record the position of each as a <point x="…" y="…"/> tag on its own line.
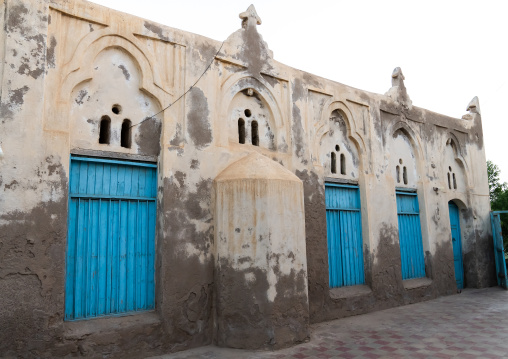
<point x="74" y="178"/>
<point x="106" y="180"/>
<point x="99" y="176"/>
<point x="151" y="254"/>
<point x="83" y="178"/>
<point x="102" y="257"/>
<point x="122" y="278"/>
<point x="115" y="264"/>
<point x="71" y="258"/>
<point x="92" y="257"/>
<point x="140" y="260"/>
<point x="114" y="181"/>
<point x="142" y="182"/>
<point x="131" y="271"/>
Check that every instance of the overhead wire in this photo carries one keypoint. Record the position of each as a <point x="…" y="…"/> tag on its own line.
<point x="185" y="93"/>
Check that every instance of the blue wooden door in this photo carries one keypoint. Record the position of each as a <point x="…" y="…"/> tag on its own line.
<point x="344" y="232"/>
<point x="410" y="236"/>
<point x="111" y="237"/>
<point x="499" y="254"/>
<point x="457" y="244"/>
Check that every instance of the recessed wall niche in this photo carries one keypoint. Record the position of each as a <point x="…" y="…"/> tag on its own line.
<point x="454" y="174"/>
<point x="251" y="121"/>
<point x="403" y="165"/>
<point x="106" y="109"/>
<point x="338" y="153"/>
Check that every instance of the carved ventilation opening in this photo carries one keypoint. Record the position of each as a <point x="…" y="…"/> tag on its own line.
<point x="105" y="130"/>
<point x="125" y="139"/>
<point x="254" y="133"/>
<point x="342" y="161"/>
<point x="116" y="109"/>
<point x="404" y="172"/>
<point x="342" y="164"/>
<point x="452" y="180"/>
<point x="333" y="168"/>
<point x="241" y="131"/>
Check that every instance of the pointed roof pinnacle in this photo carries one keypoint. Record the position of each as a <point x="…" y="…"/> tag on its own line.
<point x="397" y="77"/>
<point x="474" y="105"/>
<point x="398" y="90"/>
<point x="250" y="17"/>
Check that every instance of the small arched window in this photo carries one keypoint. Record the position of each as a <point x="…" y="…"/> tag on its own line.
<point x="404" y="174"/>
<point x="342" y="164"/>
<point x="255" y="133"/>
<point x="125" y="139"/>
<point x="398" y="174"/>
<point x="104" y="130"/>
<point x="334" y="163"/>
<point x="241" y="130"/>
<point x="454" y="182"/>
<point x="449" y="181"/>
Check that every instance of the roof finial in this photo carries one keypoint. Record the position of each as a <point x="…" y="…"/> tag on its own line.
<point x="472" y="108"/>
<point x="398" y="77"/>
<point x="474" y="105"/>
<point x="398" y="90"/>
<point x="250" y="17"/>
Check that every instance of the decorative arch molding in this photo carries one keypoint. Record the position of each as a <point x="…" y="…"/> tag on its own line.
<point x="324" y="127"/>
<point x="413" y="137"/>
<point x="79" y="70"/>
<point x="460" y="200"/>
<point x="243" y="81"/>
<point x="416" y="144"/>
<point x="458" y="145"/>
<point x="452" y="139"/>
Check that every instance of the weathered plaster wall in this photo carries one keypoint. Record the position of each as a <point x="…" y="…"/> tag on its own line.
<point x="67" y="63"/>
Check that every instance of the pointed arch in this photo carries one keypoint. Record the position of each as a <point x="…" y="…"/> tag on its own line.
<point x="78" y="70"/>
<point x="452" y="140"/>
<point x="243" y="81"/>
<point x="414" y="139"/>
<point x="324" y="128"/>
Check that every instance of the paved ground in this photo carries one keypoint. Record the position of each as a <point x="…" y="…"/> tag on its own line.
<point x="473" y="324"/>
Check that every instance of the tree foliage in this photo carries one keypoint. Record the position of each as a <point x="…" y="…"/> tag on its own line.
<point x="498" y="198"/>
<point x="495" y="186"/>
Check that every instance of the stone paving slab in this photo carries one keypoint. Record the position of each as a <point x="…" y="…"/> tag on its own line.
<point x="473" y="324"/>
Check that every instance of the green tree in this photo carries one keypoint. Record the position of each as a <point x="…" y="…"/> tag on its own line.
<point x="498" y="198"/>
<point x="495" y="186"/>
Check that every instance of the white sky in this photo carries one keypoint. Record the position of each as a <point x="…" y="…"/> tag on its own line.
<point x="449" y="51"/>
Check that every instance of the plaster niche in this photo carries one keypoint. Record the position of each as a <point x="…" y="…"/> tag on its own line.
<point x="454" y="177"/>
<point x="337" y="153"/>
<point x="105" y="110"/>
<point x="251" y="121"/>
<point x="403" y="160"/>
<point x="261" y="262"/>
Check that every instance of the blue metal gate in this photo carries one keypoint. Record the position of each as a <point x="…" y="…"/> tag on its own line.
<point x="344" y="231"/>
<point x="457" y="244"/>
<point x="111" y="237"/>
<point x="410" y="235"/>
<point x="499" y="248"/>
